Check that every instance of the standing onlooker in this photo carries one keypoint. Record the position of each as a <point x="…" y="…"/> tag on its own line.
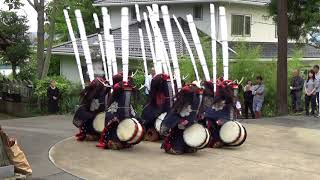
<point x="317" y="75"/>
<point x="147" y="81"/>
<point x="310" y="88"/>
<point x="296" y="91"/>
<point x="53" y="97"/>
<point x="258" y="92"/>
<point x="248" y="99"/>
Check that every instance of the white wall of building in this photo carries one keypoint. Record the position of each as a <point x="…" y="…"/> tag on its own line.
<point x="69" y="69"/>
<point x="262" y="28"/>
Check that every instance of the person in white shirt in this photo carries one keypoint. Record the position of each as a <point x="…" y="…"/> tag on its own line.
<point x="147" y="82"/>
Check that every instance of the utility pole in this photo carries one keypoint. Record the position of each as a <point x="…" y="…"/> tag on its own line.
<point x="282" y="66"/>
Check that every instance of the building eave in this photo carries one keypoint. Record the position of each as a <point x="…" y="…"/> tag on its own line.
<point x="257" y="3"/>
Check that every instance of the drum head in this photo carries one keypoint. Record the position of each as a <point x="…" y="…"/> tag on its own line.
<point x="157" y="123"/>
<point x="195" y="135"/>
<point x="137" y="137"/>
<point x="98" y="122"/>
<point x="207" y="140"/>
<point x="243" y="136"/>
<point x="126" y="129"/>
<point x="230" y="132"/>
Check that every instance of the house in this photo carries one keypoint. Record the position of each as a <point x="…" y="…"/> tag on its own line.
<point x="247" y="20"/>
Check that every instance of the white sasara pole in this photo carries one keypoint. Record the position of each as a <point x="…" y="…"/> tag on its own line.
<point x="103" y="57"/>
<point x="213" y="45"/>
<point x="85" y="44"/>
<point x="75" y="46"/>
<point x="224" y="39"/>
<point x="125" y="42"/>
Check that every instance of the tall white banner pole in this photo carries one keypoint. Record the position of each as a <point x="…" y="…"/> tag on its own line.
<point x="143" y="51"/>
<point x="198" y="45"/>
<point x="75" y="46"/>
<point x="224" y="39"/>
<point x="85" y="44"/>
<point x="185" y="40"/>
<point x="103" y="57"/>
<point x="125" y="42"/>
<point x="146" y="21"/>
<point x="106" y="31"/>
<point x="213" y="46"/>
<point x="172" y="45"/>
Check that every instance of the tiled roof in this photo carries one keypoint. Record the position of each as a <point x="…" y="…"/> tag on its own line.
<point x="269" y="50"/>
<point x="132" y="2"/>
<point x="134" y="42"/>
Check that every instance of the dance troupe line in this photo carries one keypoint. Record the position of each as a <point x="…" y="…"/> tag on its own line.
<point x="186" y="116"/>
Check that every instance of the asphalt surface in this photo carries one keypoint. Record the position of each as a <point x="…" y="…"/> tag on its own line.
<point x="276" y="148"/>
<point x="35" y="136"/>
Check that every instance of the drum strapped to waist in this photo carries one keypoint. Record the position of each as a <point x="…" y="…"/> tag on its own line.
<point x="130" y="130"/>
<point x="158" y="121"/>
<point x="98" y="122"/>
<point x="232" y="133"/>
<point x="196" y="136"/>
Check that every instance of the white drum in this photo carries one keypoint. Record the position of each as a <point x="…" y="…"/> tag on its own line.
<point x="130" y="131"/>
<point x="158" y="121"/>
<point x="196" y="136"/>
<point x="98" y="122"/>
<point x="233" y="133"/>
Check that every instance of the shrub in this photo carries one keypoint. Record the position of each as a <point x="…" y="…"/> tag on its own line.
<point x="69" y="93"/>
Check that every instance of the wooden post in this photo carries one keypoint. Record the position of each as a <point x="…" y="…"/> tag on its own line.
<point x="282" y="67"/>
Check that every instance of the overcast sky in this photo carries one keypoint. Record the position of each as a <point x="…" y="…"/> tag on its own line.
<point x="26" y="10"/>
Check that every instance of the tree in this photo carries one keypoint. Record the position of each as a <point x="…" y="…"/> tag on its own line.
<point x="303" y="19"/>
<point x="14" y="28"/>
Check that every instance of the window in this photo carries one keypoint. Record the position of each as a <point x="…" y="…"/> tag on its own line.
<point x="133" y="13"/>
<point x="240" y="25"/>
<point x="198" y="12"/>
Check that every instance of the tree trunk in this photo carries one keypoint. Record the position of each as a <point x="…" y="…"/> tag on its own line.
<point x="282" y="66"/>
<point x="40" y="37"/>
<point x="14" y="71"/>
<point x="52" y="26"/>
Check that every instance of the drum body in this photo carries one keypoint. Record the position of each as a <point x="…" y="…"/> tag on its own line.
<point x="130" y="131"/>
<point x="232" y="133"/>
<point x="158" y="121"/>
<point x="196" y="136"/>
<point x="98" y="122"/>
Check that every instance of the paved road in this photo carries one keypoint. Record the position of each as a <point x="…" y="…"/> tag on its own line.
<point x="277" y="148"/>
<point x="36" y="135"/>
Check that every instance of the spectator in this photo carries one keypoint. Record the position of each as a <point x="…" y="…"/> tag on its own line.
<point x="53" y="97"/>
<point x="258" y="98"/>
<point x="296" y="91"/>
<point x="310" y="88"/>
<point x="147" y="82"/>
<point x="248" y="99"/>
<point x="317" y="75"/>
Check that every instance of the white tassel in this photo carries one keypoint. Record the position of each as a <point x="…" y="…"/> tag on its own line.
<point x="75" y="46"/>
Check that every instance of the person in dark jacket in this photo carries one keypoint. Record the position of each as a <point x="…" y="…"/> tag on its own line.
<point x="248" y="100"/>
<point x="53" y="95"/>
<point x="296" y="88"/>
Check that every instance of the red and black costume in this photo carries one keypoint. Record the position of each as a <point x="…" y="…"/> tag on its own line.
<point x="119" y="108"/>
<point x="161" y="100"/>
<point x="93" y="101"/>
<point x="185" y="113"/>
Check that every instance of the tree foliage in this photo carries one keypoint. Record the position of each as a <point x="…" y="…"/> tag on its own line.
<point x="14" y="28"/>
<point x="86" y="8"/>
<point x="303" y="18"/>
